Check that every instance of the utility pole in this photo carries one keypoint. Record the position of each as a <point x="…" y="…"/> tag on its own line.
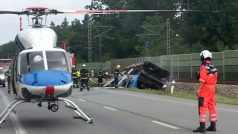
<point x="168" y="48"/>
<point x="150" y="31"/>
<point x="188" y="4"/>
<point x="90" y="55"/>
<point x="100" y="36"/>
<point x="100" y="48"/>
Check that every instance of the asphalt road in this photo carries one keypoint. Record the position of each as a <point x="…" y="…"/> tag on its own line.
<point x="115" y="112"/>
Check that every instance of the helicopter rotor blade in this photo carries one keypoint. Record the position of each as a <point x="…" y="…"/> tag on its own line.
<point x="12" y="12"/>
<point x="126" y="11"/>
<point x="45" y="11"/>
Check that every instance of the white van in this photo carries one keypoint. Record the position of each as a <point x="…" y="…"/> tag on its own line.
<point x="2" y="77"/>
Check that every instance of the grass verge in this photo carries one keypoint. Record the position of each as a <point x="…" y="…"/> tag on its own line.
<point x="220" y="99"/>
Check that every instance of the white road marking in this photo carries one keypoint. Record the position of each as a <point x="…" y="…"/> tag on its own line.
<point x="166" y="125"/>
<point x="15" y="120"/>
<point x="113" y="109"/>
<point x="156" y="99"/>
<point x="227" y="110"/>
<point x="82" y="100"/>
<point x="177" y="102"/>
<point x="112" y="87"/>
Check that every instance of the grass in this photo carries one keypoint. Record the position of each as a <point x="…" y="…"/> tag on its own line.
<point x="220" y="99"/>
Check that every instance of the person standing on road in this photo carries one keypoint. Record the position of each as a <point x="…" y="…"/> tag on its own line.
<point x="100" y="79"/>
<point x="75" y="76"/>
<point x="206" y="93"/>
<point x="84" y="77"/>
<point x="116" y="75"/>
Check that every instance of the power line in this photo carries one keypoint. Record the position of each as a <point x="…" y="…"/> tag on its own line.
<point x="100" y="36"/>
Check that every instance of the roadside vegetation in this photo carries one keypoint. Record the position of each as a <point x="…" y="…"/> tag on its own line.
<point x="144" y="34"/>
<point x="220" y="99"/>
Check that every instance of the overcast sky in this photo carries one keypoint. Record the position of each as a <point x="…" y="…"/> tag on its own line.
<point x="9" y="24"/>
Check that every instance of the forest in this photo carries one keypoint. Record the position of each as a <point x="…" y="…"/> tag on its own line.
<point x="124" y="35"/>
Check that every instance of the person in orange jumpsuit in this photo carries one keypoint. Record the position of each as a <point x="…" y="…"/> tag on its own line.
<point x="206" y="93"/>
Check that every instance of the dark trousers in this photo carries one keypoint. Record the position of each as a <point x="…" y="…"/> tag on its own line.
<point x="8" y="83"/>
<point x="100" y="81"/>
<point x="76" y="82"/>
<point x="84" y="82"/>
<point x="116" y="82"/>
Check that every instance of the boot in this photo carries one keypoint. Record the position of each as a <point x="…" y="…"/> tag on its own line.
<point x="212" y="127"/>
<point x="201" y="128"/>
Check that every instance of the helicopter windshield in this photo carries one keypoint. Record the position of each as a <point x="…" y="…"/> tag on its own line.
<point x="56" y="60"/>
<point x="32" y="61"/>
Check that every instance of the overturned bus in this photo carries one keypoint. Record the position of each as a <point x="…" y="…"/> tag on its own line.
<point x="145" y="75"/>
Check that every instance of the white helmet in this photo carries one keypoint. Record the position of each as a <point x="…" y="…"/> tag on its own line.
<point x="205" y="54"/>
<point x="118" y="66"/>
<point x="37" y="58"/>
<point x="106" y="73"/>
<point x="83" y="65"/>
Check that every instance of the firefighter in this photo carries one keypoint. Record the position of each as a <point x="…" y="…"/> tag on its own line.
<point x="78" y="75"/>
<point x="84" y="77"/>
<point x="206" y="93"/>
<point x="116" y="75"/>
<point x="100" y="78"/>
<point x="75" y="76"/>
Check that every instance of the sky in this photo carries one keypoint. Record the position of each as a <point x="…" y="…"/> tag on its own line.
<point x="9" y="24"/>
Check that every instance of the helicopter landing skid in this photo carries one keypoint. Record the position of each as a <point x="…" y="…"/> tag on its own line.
<point x="77" y="110"/>
<point x="10" y="108"/>
<point x="18" y="101"/>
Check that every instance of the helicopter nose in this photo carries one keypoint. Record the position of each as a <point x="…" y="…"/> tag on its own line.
<point x="46" y="78"/>
<point x="49" y="91"/>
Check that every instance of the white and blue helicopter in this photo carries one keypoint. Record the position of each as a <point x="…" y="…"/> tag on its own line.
<point x="41" y="72"/>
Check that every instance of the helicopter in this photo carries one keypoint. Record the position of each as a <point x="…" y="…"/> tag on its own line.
<point x="41" y="72"/>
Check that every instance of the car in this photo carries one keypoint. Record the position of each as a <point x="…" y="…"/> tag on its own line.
<point x="2" y="77"/>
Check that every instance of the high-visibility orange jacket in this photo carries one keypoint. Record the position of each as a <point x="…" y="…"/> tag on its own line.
<point x="207" y="100"/>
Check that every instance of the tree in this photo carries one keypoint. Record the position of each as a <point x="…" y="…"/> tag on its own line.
<point x="65" y="23"/>
<point x="52" y="24"/>
<point x="190" y="31"/>
<point x="8" y="50"/>
<point x="211" y="30"/>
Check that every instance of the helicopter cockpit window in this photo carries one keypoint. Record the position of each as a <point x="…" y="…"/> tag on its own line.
<point x="56" y="60"/>
<point x="32" y="61"/>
